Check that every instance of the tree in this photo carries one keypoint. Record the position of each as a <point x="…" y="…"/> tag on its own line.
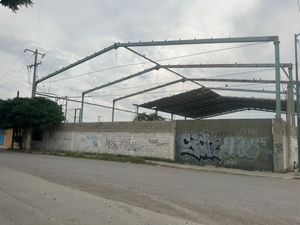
<point x="14" y="5"/>
<point x="25" y="114"/>
<point x="148" y="117"/>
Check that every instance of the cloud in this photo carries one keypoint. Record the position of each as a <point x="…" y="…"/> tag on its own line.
<point x="67" y="31"/>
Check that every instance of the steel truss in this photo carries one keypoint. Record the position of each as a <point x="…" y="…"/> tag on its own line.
<point x="276" y="65"/>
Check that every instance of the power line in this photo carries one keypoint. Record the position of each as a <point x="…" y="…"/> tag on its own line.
<point x="13" y="78"/>
<point x="12" y="66"/>
<point x="158" y="60"/>
<point x="240" y="73"/>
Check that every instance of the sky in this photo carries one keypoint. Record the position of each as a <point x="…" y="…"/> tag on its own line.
<point x="70" y="30"/>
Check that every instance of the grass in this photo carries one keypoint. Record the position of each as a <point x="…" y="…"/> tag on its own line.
<point x="102" y="156"/>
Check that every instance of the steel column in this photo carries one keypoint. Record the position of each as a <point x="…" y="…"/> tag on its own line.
<point x="113" y="111"/>
<point x="297" y="96"/>
<point x="277" y="78"/>
<point x="291" y="94"/>
<point x="81" y="111"/>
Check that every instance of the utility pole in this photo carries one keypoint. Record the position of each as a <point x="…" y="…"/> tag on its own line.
<point x="297" y="95"/>
<point x="33" y="90"/>
<point x="34" y="65"/>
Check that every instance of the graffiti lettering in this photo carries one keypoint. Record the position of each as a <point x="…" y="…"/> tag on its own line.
<point x="123" y="144"/>
<point x="201" y="146"/>
<point x="157" y="142"/>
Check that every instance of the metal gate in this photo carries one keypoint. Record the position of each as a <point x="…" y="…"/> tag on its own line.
<point x="2" y="133"/>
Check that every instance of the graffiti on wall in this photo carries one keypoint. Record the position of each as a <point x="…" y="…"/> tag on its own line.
<point x="205" y="146"/>
<point x="242" y="147"/>
<point x="124" y="144"/>
<point x="129" y="144"/>
<point x="201" y="146"/>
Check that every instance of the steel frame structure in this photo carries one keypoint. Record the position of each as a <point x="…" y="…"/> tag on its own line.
<point x="244" y="65"/>
<point x="274" y="39"/>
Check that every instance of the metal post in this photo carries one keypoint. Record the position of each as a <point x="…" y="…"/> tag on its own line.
<point x="81" y="111"/>
<point x="297" y="95"/>
<point x="75" y="115"/>
<point x="137" y="111"/>
<point x="113" y="111"/>
<point x="277" y="77"/>
<point x="290" y="116"/>
<point x="291" y="94"/>
<point x="172" y="116"/>
<point x="66" y="108"/>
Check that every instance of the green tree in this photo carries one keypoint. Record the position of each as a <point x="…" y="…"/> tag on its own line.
<point x="25" y="114"/>
<point x="148" y="117"/>
<point x="14" y="5"/>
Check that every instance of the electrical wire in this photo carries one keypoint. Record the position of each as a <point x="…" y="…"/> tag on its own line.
<point x="12" y="66"/>
<point x="158" y="60"/>
<point x="13" y="78"/>
<point x="240" y="73"/>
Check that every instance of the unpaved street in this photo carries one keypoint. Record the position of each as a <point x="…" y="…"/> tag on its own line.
<point x="39" y="189"/>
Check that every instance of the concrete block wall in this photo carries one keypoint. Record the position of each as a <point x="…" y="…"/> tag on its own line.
<point x="149" y="139"/>
<point x="236" y="143"/>
<point x="293" y="162"/>
<point x="253" y="144"/>
<point x="285" y="146"/>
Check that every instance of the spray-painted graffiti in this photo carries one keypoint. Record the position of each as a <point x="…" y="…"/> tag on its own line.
<point x="201" y="146"/>
<point x="125" y="144"/>
<point x="241" y="147"/>
<point x="206" y="146"/>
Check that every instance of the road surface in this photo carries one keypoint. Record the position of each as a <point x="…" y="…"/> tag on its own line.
<point x="41" y="189"/>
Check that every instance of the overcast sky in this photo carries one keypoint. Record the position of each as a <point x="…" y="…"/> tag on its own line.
<point x="69" y="30"/>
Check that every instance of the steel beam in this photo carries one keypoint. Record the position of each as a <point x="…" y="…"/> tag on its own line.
<point x="164" y="43"/>
<point x="88" y="103"/>
<point x="201" y="41"/>
<point x="141" y="92"/>
<point x="159" y="65"/>
<point x="274" y="39"/>
<point x="122" y="79"/>
<point x="150" y="89"/>
<point x="112" y="83"/>
<point x="237" y="80"/>
<point x="228" y="65"/>
<point x="114" y="46"/>
<point x="244" y="90"/>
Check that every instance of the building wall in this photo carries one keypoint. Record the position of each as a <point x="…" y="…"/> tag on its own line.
<point x="293" y="162"/>
<point x="237" y="143"/>
<point x="285" y="146"/>
<point x="6" y="138"/>
<point x="253" y="144"/>
<point x="150" y="139"/>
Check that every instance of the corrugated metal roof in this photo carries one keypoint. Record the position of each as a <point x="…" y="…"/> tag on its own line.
<point x="203" y="102"/>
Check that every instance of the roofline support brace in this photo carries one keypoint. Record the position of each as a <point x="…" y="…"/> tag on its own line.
<point x="141" y="92"/>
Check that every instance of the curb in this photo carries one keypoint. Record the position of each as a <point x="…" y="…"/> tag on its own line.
<point x="227" y="170"/>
